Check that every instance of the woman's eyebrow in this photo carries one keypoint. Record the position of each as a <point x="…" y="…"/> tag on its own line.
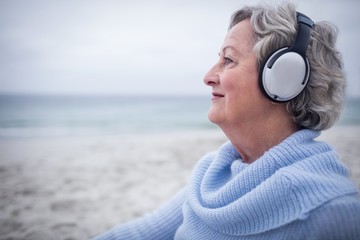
<point x="229" y="47"/>
<point x="232" y="49"/>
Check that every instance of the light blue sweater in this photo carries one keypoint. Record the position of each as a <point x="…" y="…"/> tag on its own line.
<point x="296" y="190"/>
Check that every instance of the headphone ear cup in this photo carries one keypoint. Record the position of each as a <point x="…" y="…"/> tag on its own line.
<point x="284" y="75"/>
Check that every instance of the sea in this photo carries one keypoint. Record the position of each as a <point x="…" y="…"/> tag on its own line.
<point x="29" y="116"/>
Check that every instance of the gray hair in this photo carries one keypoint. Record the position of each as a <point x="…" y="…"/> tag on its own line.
<point x="319" y="105"/>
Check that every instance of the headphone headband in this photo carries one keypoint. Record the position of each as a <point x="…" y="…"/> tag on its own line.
<point x="305" y="25"/>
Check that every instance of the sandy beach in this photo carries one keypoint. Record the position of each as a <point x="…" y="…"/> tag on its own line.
<point x="73" y="188"/>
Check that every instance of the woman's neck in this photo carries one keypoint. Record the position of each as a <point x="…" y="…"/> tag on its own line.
<point x="254" y="140"/>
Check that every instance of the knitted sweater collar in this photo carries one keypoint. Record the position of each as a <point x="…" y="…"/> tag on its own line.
<point x="283" y="185"/>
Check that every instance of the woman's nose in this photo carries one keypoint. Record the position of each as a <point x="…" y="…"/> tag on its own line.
<point x="211" y="78"/>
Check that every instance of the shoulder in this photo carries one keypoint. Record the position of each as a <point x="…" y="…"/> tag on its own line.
<point x="337" y="219"/>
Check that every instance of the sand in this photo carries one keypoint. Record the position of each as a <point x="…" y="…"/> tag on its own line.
<point x="74" y="188"/>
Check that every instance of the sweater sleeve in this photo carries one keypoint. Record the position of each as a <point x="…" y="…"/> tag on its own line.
<point x="161" y="224"/>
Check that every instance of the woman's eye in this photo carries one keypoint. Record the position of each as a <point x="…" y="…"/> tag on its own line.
<point x="227" y="60"/>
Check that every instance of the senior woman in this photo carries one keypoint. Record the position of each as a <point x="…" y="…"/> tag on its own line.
<point x="278" y="82"/>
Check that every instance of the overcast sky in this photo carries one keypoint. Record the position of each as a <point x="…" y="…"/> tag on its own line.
<point x="135" y="47"/>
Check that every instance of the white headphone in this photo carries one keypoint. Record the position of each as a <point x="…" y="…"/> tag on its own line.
<point x="286" y="72"/>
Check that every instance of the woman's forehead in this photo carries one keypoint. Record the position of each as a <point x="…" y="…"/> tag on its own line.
<point x="239" y="37"/>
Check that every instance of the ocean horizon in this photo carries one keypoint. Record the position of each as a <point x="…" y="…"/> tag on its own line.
<point x="23" y="116"/>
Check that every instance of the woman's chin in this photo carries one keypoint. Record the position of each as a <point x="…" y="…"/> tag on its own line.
<point x="215" y="117"/>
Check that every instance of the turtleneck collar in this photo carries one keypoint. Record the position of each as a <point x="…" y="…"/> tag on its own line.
<point x="283" y="185"/>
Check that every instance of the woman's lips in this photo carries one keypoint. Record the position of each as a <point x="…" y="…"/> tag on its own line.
<point x="216" y="95"/>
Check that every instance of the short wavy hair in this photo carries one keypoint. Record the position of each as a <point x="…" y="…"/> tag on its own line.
<point x="319" y="105"/>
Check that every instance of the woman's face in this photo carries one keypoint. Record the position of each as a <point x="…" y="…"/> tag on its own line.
<point x="237" y="99"/>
